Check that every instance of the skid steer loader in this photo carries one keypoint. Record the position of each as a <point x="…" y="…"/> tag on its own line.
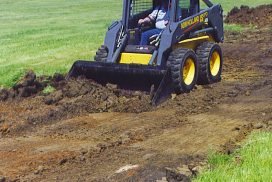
<point x="184" y="54"/>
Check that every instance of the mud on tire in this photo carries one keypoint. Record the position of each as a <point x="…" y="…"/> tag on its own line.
<point x="184" y="69"/>
<point x="210" y="60"/>
<point x="101" y="54"/>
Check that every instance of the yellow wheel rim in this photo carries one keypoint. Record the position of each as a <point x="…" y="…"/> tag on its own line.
<point x="188" y="71"/>
<point x="215" y="63"/>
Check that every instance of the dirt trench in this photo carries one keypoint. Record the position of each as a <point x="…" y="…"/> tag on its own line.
<point x="87" y="132"/>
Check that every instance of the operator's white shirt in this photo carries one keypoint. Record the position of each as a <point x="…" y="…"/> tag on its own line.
<point x="161" y="16"/>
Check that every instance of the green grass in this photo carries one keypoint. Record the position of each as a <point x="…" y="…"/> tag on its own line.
<point x="250" y="163"/>
<point x="237" y="27"/>
<point x="48" y="36"/>
<point x="234" y="27"/>
<point x="47" y="90"/>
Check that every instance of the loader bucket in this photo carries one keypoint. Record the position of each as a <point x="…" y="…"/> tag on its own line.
<point x="126" y="76"/>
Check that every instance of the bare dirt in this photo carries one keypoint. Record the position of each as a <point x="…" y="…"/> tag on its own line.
<point x="260" y="16"/>
<point x="86" y="132"/>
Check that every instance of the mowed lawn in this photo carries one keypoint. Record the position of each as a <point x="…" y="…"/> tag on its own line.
<point x="48" y="36"/>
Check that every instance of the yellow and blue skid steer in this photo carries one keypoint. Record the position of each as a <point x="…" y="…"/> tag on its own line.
<point x="184" y="54"/>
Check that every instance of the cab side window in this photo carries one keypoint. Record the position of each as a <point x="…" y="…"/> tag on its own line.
<point x="139" y="9"/>
<point x="187" y="8"/>
<point x="183" y="9"/>
<point x="140" y="6"/>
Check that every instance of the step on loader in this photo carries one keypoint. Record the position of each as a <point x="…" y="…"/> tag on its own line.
<point x="185" y="53"/>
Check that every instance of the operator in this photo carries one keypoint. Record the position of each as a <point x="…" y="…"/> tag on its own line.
<point x="160" y="16"/>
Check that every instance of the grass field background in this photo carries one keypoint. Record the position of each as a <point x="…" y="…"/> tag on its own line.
<point x="48" y="36"/>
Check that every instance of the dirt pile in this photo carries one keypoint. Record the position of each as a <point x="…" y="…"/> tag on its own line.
<point x="81" y="96"/>
<point x="259" y="16"/>
<point x="97" y="98"/>
<point x="29" y="85"/>
<point x="32" y="85"/>
<point x="87" y="92"/>
<point x="77" y="96"/>
<point x="70" y="98"/>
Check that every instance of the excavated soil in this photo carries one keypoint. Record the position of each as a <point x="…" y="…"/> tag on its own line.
<point x="87" y="132"/>
<point x="260" y="16"/>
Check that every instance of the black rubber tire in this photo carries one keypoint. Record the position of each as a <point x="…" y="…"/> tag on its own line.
<point x="176" y="62"/>
<point x="204" y="53"/>
<point x="101" y="54"/>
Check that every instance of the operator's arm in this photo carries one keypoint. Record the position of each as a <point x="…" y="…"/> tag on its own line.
<point x="150" y="18"/>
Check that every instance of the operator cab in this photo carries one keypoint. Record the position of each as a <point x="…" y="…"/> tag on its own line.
<point x="140" y="9"/>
